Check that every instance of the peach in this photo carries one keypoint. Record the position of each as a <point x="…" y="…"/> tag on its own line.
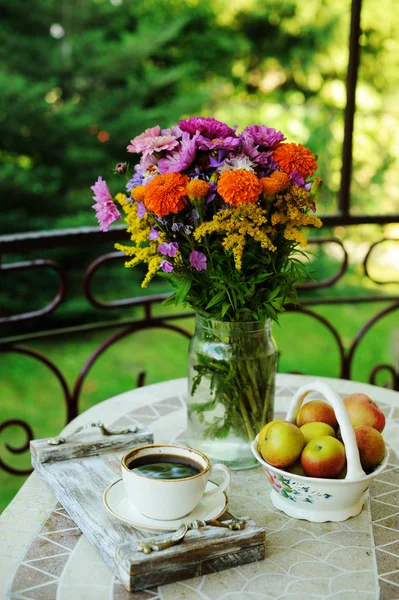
<point x="371" y="447"/>
<point x="323" y="457"/>
<point x="283" y="444"/>
<point x="363" y="410"/>
<point x="317" y="410"/>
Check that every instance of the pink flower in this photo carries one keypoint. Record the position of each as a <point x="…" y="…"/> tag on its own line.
<point x="182" y="158"/>
<point x="153" y="235"/>
<point x="106" y="211"/>
<point x="141" y="209"/>
<point x="207" y="126"/>
<point x="198" y="260"/>
<point x="168" y="248"/>
<point x="166" y="266"/>
<point x="258" y="142"/>
<point x="228" y="143"/>
<point x="151" y="141"/>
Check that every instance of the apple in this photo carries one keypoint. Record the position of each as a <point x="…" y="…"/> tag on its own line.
<point x="283" y="444"/>
<point x="316" y="430"/>
<point x="371" y="446"/>
<point x="363" y="410"/>
<point x="264" y="429"/>
<point x="296" y="469"/>
<point x="323" y="457"/>
<point x="317" y="410"/>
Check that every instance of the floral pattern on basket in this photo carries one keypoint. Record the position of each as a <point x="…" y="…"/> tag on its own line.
<point x="294" y="490"/>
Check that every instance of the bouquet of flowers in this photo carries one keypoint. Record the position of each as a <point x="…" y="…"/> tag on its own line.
<point x="218" y="213"/>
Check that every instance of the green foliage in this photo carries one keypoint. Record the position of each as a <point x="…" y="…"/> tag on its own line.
<point x="121" y="68"/>
<point x="115" y="69"/>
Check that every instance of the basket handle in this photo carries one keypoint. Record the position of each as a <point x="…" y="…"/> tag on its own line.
<point x="354" y="468"/>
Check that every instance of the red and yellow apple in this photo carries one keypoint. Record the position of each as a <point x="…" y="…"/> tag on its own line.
<point x="323" y="457"/>
<point x="317" y="410"/>
<point x="363" y="410"/>
<point x="371" y="447"/>
<point x="315" y="430"/>
<point x="283" y="444"/>
<point x="264" y="430"/>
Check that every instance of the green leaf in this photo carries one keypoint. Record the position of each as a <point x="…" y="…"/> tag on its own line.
<point x="170" y="299"/>
<point x="216" y="299"/>
<point x="225" y="308"/>
<point x="182" y="290"/>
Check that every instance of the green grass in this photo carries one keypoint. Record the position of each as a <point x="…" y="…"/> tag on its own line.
<point x="30" y="392"/>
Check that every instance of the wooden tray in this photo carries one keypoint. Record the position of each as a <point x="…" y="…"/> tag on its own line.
<point x="78" y="484"/>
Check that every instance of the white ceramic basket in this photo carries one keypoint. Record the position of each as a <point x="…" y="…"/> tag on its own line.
<point x="316" y="499"/>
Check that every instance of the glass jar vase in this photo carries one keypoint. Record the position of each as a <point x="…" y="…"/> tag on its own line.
<point x="232" y="368"/>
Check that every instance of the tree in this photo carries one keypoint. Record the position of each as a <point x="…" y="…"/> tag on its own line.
<point x="79" y="79"/>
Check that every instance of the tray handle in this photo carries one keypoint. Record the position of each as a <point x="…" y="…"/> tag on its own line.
<point x="354" y="468"/>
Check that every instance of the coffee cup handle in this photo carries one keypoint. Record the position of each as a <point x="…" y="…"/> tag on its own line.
<point x="221" y="487"/>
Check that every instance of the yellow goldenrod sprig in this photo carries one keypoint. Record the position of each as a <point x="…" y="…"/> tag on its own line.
<point x="143" y="250"/>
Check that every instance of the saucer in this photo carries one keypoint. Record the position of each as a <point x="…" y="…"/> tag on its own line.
<point x="117" y="503"/>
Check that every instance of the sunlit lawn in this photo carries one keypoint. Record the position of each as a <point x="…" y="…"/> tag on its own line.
<point x="29" y="391"/>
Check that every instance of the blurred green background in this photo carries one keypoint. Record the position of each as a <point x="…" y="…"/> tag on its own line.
<point x="79" y="79"/>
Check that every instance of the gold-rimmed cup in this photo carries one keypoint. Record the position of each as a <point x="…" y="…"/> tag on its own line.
<point x="167" y="499"/>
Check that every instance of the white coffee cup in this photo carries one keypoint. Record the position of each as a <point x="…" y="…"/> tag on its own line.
<point x="166" y="499"/>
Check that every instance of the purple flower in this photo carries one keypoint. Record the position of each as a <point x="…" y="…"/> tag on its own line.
<point x="136" y="180"/>
<point x="207" y="126"/>
<point x="215" y="163"/>
<point x="166" y="266"/>
<point x="227" y="143"/>
<point x="154" y="235"/>
<point x="141" y="209"/>
<point x="198" y="260"/>
<point x="151" y="141"/>
<point x="263" y="136"/>
<point x="258" y="142"/>
<point x="212" y="192"/>
<point x="177" y="226"/>
<point x="180" y="159"/>
<point x="168" y="248"/>
<point x="194" y="214"/>
<point x="297" y="178"/>
<point x="106" y="211"/>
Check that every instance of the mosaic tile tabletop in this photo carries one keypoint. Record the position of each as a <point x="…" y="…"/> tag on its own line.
<point x="44" y="556"/>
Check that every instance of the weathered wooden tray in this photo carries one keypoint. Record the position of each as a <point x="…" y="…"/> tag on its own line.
<point x="79" y="483"/>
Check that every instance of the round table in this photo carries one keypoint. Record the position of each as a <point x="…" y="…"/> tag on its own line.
<point x="43" y="555"/>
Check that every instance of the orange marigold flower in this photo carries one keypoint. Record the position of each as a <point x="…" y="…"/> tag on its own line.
<point x="295" y="157"/>
<point x="166" y="194"/>
<point x="138" y="193"/>
<point x="239" y="187"/>
<point x="198" y="189"/>
<point x="276" y="182"/>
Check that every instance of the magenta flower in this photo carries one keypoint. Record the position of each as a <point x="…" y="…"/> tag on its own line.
<point x="259" y="141"/>
<point x="297" y="178"/>
<point x="207" y="126"/>
<point x="151" y="141"/>
<point x="198" y="260"/>
<point x="227" y="143"/>
<point x="263" y="136"/>
<point x="166" y="266"/>
<point x="154" y="235"/>
<point x="168" y="248"/>
<point x="106" y="211"/>
<point x="141" y="209"/>
<point x="180" y="159"/>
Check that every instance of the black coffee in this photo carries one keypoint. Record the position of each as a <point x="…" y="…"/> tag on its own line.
<point x="164" y="466"/>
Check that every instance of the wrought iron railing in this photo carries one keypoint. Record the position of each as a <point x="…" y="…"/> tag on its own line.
<point x="34" y="243"/>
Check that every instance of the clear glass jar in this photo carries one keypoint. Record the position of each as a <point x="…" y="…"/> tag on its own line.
<point x="232" y="368"/>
